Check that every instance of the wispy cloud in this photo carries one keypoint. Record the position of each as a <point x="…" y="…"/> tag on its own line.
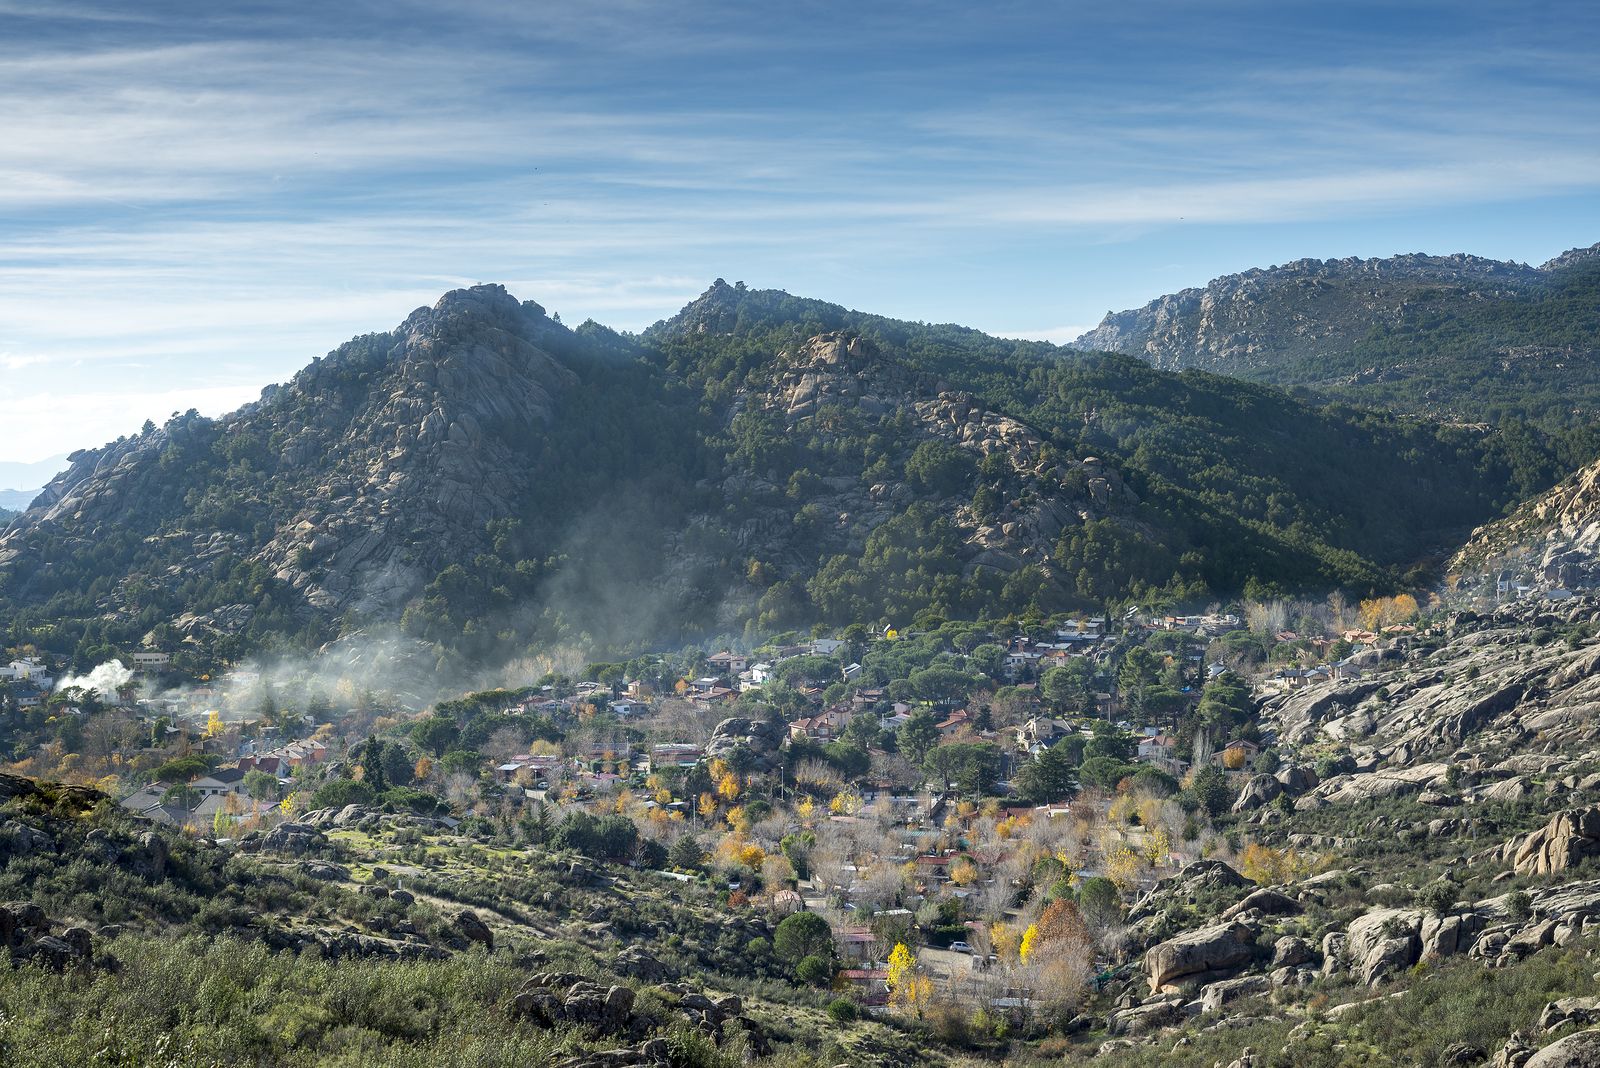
<point x="186" y="193"/>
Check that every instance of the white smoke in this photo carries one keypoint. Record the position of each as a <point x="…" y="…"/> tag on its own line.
<point x="105" y="680"/>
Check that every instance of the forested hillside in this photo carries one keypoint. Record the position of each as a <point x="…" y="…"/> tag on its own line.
<point x="1452" y="337"/>
<point x="495" y="482"/>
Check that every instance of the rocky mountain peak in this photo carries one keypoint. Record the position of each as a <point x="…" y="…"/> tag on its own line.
<point x="400" y="446"/>
<point x="1573" y="257"/>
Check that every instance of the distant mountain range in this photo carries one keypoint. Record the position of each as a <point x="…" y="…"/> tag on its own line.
<point x="491" y="481"/>
<point x="1452" y="337"/>
<point x="20" y="482"/>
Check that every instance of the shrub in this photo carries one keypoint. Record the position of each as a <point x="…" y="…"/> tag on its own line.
<point x="843" y="1011"/>
<point x="814" y="971"/>
<point x="1437" y="897"/>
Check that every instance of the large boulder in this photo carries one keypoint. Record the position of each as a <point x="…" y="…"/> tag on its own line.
<point x="1581" y="1050"/>
<point x="1296" y="778"/>
<point x="148" y="856"/>
<point x="1383" y="942"/>
<point x="295" y="839"/>
<point x="1258" y="791"/>
<point x="1199" y="957"/>
<point x="1567" y="838"/>
<point x="1265" y="901"/>
<point x="1216" y="996"/>
<point x="1585" y="1012"/>
<point x="470" y="925"/>
<point x="1291" y="952"/>
<point x="1147" y="1017"/>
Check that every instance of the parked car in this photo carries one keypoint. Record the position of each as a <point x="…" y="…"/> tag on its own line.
<point x="960" y="947"/>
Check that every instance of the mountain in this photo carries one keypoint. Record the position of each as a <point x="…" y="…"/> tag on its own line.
<point x="1453" y="337"/>
<point x="1550" y="542"/>
<point x="494" y="482"/>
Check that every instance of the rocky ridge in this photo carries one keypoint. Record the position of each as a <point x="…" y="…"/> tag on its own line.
<point x="1550" y="543"/>
<point x="1366" y="329"/>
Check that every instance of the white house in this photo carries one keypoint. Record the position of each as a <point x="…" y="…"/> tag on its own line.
<point x="28" y="669"/>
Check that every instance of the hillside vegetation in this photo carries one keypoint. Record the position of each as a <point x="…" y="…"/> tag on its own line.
<point x="496" y="483"/>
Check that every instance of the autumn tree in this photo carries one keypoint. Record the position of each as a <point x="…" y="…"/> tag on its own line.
<point x="909" y="990"/>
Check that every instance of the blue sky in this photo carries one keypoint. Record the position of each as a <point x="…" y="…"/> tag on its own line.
<point x="195" y="199"/>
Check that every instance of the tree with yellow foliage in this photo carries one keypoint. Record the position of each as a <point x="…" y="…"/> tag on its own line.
<point x="1387" y="611"/>
<point x="1030" y="943"/>
<point x="909" y="990"/>
<point x="214" y="724"/>
<point x="1266" y="866"/>
<point x="1156" y="845"/>
<point x="1003" y="937"/>
<point x="963" y="872"/>
<point x="845" y="803"/>
<point x="805" y="809"/>
<point x="423" y="769"/>
<point x="706" y="806"/>
<point x="1123" y="866"/>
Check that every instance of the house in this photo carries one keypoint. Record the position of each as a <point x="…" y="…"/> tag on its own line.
<point x="628" y="709"/>
<point x="221" y="781"/>
<point x="955" y="721"/>
<point x="611" y="752"/>
<point x="675" y="755"/>
<point x="823" y="727"/>
<point x="714" y="695"/>
<point x="1346" y="670"/>
<point x="893" y="721"/>
<point x="855" y="943"/>
<point x="28" y="669"/>
<point x="538" y="765"/>
<point x="1236" y="754"/>
<point x="1159" y="747"/>
<point x="761" y="674"/>
<point x="870" y="986"/>
<point x="826" y="646"/>
<point x="728" y="663"/>
<point x="144" y="800"/>
<point x="149" y="661"/>
<point x="1041" y="732"/>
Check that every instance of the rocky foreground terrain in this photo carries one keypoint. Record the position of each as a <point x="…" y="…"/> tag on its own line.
<point x="1444" y="823"/>
<point x="1417" y="884"/>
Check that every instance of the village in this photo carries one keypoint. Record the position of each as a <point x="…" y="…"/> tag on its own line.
<point x="904" y="787"/>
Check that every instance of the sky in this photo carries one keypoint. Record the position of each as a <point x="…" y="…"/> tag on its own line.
<point x="196" y="199"/>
